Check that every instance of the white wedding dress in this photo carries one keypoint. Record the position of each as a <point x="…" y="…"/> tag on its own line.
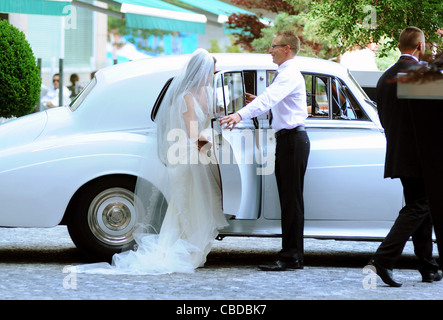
<point x="194" y="214"/>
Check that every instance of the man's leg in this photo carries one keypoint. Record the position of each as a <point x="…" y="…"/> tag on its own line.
<point x="291" y="161"/>
<point x="409" y="220"/>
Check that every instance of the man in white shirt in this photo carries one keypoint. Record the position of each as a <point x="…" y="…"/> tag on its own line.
<point x="52" y="99"/>
<point x="286" y="99"/>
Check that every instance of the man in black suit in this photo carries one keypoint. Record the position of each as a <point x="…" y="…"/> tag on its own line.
<point x="427" y="119"/>
<point x="402" y="161"/>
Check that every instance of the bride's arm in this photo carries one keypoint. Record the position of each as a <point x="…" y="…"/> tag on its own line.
<point x="192" y="124"/>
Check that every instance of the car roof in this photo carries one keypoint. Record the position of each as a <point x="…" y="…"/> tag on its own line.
<point x="225" y="61"/>
<point x="264" y="61"/>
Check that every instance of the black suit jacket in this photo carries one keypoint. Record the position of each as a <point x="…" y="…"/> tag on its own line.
<point x="427" y="120"/>
<point x="402" y="158"/>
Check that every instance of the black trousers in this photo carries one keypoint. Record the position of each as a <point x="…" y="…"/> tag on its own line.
<point x="427" y="117"/>
<point x="414" y="220"/>
<point x="291" y="159"/>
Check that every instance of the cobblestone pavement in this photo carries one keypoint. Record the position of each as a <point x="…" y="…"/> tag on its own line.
<point x="33" y="261"/>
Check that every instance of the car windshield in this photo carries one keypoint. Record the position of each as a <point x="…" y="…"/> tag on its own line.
<point x="77" y="101"/>
<point x="365" y="96"/>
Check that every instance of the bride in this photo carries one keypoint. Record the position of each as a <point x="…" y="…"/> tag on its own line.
<point x="194" y="211"/>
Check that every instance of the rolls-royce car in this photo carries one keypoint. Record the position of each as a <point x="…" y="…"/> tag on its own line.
<point x="77" y="165"/>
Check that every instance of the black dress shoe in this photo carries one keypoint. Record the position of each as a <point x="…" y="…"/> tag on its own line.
<point x="280" y="265"/>
<point x="385" y="274"/>
<point x="429" y="276"/>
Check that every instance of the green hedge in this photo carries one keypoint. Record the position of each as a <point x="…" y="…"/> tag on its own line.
<point x="20" y="80"/>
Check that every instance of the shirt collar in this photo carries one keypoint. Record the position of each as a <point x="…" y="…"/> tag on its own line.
<point x="285" y="64"/>
<point x="409" y="55"/>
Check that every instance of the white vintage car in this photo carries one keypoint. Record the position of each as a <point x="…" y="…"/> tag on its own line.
<point x="77" y="165"/>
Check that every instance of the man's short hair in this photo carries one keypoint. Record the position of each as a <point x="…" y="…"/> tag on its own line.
<point x="410" y="37"/>
<point x="290" y="38"/>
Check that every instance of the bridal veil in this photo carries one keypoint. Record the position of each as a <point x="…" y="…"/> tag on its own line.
<point x="177" y="239"/>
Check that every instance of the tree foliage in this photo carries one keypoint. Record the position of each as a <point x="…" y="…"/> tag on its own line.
<point x="356" y="23"/>
<point x="253" y="35"/>
<point x="19" y="75"/>
<point x="246" y="28"/>
<point x="327" y="28"/>
<point x="310" y="45"/>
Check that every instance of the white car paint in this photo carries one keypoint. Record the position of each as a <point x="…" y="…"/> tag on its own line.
<point x="47" y="159"/>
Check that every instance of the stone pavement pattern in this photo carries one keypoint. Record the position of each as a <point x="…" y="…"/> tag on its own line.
<point x="32" y="263"/>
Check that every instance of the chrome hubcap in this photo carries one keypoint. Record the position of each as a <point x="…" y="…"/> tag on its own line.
<point x="116" y="216"/>
<point x="112" y="216"/>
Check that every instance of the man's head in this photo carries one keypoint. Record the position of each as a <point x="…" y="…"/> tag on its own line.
<point x="56" y="80"/>
<point x="412" y="41"/>
<point x="285" y="46"/>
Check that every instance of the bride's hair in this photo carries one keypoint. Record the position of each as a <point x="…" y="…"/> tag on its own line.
<point x="197" y="73"/>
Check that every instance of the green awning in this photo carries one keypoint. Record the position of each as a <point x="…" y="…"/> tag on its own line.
<point x="144" y="22"/>
<point x="144" y="14"/>
<point x="216" y="7"/>
<point x="43" y="7"/>
<point x="221" y="9"/>
<point x="156" y="14"/>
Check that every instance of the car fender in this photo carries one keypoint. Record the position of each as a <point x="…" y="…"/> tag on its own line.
<point x="88" y="157"/>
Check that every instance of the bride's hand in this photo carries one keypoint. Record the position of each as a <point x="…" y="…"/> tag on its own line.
<point x="203" y="144"/>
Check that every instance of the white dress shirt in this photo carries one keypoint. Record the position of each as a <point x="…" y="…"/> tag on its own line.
<point x="286" y="97"/>
<point x="53" y="96"/>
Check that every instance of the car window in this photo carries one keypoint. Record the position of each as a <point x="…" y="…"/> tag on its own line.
<point x="220" y="109"/>
<point x="317" y="95"/>
<point x="344" y="104"/>
<point x="230" y="93"/>
<point x="160" y="98"/>
<point x="270" y="75"/>
<point x="75" y="104"/>
<point x="328" y="97"/>
<point x="250" y="80"/>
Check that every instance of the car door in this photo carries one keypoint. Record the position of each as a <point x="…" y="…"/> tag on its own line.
<point x="236" y="151"/>
<point x="344" y="179"/>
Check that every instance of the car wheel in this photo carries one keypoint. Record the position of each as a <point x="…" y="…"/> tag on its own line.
<point x="103" y="217"/>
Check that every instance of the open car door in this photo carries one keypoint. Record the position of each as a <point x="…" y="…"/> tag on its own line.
<point x="236" y="151"/>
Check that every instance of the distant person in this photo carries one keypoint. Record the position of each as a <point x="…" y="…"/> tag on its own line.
<point x="75" y="88"/>
<point x="51" y="99"/>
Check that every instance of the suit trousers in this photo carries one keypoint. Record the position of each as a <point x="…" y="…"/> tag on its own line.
<point x="414" y="220"/>
<point x="427" y="116"/>
<point x="291" y="159"/>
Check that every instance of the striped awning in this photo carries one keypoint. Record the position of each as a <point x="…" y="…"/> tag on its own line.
<point x="143" y="14"/>
<point x="156" y="14"/>
<point x="42" y="7"/>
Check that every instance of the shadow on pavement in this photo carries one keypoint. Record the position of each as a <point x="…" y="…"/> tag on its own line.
<point x="216" y="258"/>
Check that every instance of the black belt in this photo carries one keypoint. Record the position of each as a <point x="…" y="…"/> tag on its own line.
<point x="285" y="131"/>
